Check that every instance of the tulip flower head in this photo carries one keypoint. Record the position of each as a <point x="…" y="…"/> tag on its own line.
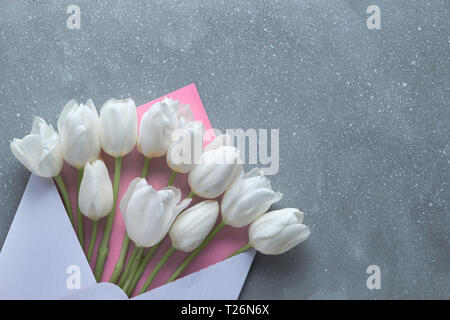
<point x="216" y="170"/>
<point x="118" y="126"/>
<point x="278" y="231"/>
<point x="157" y="125"/>
<point x="78" y="127"/>
<point x="95" y="198"/>
<point x="186" y="147"/>
<point x="247" y="198"/>
<point x="193" y="225"/>
<point x="39" y="151"/>
<point x="148" y="213"/>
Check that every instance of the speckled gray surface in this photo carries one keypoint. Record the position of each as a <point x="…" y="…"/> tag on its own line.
<point x="364" y="117"/>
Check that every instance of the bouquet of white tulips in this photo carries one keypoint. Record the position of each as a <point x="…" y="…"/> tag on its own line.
<point x="152" y="215"/>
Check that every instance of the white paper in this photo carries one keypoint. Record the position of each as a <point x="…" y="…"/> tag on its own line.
<point x="40" y="246"/>
<point x="41" y="255"/>
<point x="221" y="281"/>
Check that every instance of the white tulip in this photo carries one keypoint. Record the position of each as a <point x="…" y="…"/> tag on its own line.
<point x="78" y="127"/>
<point x="278" y="231"/>
<point x="39" y="151"/>
<point x="157" y="125"/>
<point x="95" y="198"/>
<point x="186" y="147"/>
<point x="118" y="126"/>
<point x="148" y="213"/>
<point x="193" y="225"/>
<point x="247" y="198"/>
<point x="216" y="170"/>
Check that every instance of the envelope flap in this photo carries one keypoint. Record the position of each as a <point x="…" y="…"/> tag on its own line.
<point x="221" y="281"/>
<point x="41" y="251"/>
<point x="99" y="291"/>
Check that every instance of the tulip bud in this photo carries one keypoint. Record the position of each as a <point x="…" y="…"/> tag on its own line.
<point x="157" y="125"/>
<point x="78" y="127"/>
<point x="95" y="198"/>
<point x="278" y="231"/>
<point x="118" y="126"/>
<point x="247" y="198"/>
<point x="148" y="213"/>
<point x="193" y="225"/>
<point x="39" y="151"/>
<point x="186" y="147"/>
<point x="216" y="170"/>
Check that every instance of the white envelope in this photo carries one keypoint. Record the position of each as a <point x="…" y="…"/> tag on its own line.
<point x="41" y="256"/>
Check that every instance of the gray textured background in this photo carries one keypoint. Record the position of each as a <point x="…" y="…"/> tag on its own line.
<point x="364" y="117"/>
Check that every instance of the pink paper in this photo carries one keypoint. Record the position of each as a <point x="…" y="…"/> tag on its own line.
<point x="227" y="241"/>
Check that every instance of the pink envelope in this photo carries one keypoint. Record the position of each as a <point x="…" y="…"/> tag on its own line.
<point x="226" y="242"/>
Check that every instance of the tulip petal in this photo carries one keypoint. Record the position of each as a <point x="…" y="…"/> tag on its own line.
<point x="71" y="105"/>
<point x="217" y="169"/>
<point x="144" y="209"/>
<point x="186" y="147"/>
<point x="36" y="126"/>
<point x="118" y="126"/>
<point x="131" y="126"/>
<point x="113" y="126"/>
<point x="51" y="157"/>
<point x="170" y="196"/>
<point x="193" y="225"/>
<point x="49" y="139"/>
<point x="88" y="191"/>
<point x="127" y="196"/>
<point x="39" y="151"/>
<point x="30" y="148"/>
<point x="78" y="126"/>
<point x="91" y="105"/>
<point x="182" y="205"/>
<point x="19" y="153"/>
<point x="103" y="201"/>
<point x="297" y="234"/>
<point x="155" y="130"/>
<point x="276" y="220"/>
<point x="285" y="240"/>
<point x="278" y="231"/>
<point x="251" y="206"/>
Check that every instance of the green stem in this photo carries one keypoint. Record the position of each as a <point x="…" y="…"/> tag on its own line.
<point x="103" y="250"/>
<point x="172" y="176"/>
<point x="157" y="268"/>
<point x="80" y="231"/>
<point x="242" y="249"/>
<point x="65" y="196"/>
<point x="121" y="262"/>
<point x="127" y="268"/>
<point x="145" y="167"/>
<point x="132" y="270"/>
<point x="194" y="253"/>
<point x="191" y="194"/>
<point x="93" y="239"/>
<point x="132" y="265"/>
<point x="135" y="277"/>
